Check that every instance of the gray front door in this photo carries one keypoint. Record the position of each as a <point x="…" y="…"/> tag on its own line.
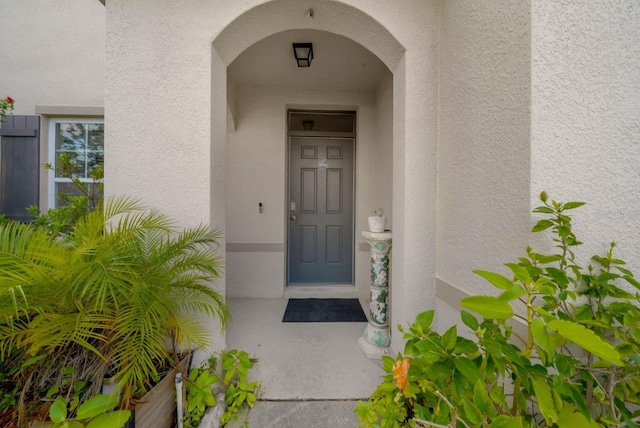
<point x="320" y="210"/>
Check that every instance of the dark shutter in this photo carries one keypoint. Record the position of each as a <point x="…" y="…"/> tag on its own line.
<point x="19" y="165"/>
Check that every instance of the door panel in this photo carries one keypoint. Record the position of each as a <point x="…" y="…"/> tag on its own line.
<point x="334" y="247"/>
<point x="321" y="238"/>
<point x="308" y="244"/>
<point x="309" y="197"/>
<point x="334" y="191"/>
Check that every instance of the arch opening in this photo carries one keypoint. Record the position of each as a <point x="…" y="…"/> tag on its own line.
<point x="261" y="83"/>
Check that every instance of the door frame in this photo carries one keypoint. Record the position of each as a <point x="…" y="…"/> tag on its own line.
<point x="326" y="135"/>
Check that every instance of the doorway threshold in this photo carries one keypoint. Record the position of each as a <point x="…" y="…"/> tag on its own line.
<point x="316" y="290"/>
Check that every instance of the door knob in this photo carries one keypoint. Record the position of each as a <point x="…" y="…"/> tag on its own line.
<point x="292" y="218"/>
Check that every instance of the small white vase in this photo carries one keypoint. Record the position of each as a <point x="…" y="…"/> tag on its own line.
<point x="377" y="223"/>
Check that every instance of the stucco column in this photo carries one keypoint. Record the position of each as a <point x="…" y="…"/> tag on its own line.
<point x="376" y="338"/>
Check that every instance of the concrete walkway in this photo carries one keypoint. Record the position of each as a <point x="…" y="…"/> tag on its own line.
<point x="312" y="374"/>
<point x="296" y="414"/>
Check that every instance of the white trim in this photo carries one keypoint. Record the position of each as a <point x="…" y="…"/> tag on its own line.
<point x="51" y="153"/>
<point x="452" y="295"/>
<point x="70" y="111"/>
<point x="320" y="291"/>
<point x="251" y="247"/>
<point x="449" y="294"/>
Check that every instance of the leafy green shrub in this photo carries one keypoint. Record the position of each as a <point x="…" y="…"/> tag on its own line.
<point x="567" y="356"/>
<point x="10" y="394"/>
<point x="199" y="392"/>
<point x="61" y="220"/>
<point x="120" y="293"/>
<point x="96" y="412"/>
<point x="239" y="391"/>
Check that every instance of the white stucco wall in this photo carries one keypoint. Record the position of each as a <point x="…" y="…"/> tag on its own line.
<point x="383" y="164"/>
<point x="584" y="134"/>
<point x="415" y="138"/>
<point x="52" y="53"/>
<point x="158" y="107"/>
<point x="585" y="123"/>
<point x="483" y="152"/>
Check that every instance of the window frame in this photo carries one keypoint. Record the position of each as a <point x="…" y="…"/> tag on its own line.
<point x="52" y="180"/>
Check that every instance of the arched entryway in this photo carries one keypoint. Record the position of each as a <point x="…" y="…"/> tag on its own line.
<point x="236" y="123"/>
<point x="345" y="82"/>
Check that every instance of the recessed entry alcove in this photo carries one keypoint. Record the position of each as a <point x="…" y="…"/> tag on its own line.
<point x="337" y="115"/>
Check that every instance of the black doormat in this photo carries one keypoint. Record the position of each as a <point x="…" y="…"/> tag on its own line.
<point x="324" y="310"/>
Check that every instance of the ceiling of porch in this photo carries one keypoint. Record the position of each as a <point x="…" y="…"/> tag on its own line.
<point x="338" y="63"/>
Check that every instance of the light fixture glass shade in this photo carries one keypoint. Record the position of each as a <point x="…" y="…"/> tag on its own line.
<point x="303" y="53"/>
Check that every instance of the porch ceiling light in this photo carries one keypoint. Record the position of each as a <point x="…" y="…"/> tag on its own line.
<point x="303" y="53"/>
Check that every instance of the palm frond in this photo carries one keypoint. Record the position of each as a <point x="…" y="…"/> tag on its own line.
<point x="121" y="290"/>
<point x="188" y="332"/>
<point x="200" y="298"/>
<point x="51" y="332"/>
<point x="114" y="206"/>
<point x="12" y="336"/>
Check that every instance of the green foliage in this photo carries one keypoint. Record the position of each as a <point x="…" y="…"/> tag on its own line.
<point x="199" y="392"/>
<point x="4" y="219"/>
<point x="96" y="412"/>
<point x="6" y="107"/>
<point x="558" y="346"/>
<point x="61" y="220"/>
<point x="239" y="391"/>
<point x="92" y="190"/>
<point x="10" y="395"/>
<point x="233" y="372"/>
<point x="120" y="293"/>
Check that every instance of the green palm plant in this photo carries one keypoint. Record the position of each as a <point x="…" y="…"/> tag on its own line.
<point x="120" y="293"/>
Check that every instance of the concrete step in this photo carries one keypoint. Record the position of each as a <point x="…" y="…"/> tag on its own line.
<point x="299" y="414"/>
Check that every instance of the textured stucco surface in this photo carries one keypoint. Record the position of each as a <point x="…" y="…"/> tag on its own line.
<point x="52" y="53"/>
<point x="586" y="118"/>
<point x="340" y="17"/>
<point x="483" y="152"/>
<point x="158" y="107"/>
<point x="383" y="163"/>
<point x="414" y="166"/>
